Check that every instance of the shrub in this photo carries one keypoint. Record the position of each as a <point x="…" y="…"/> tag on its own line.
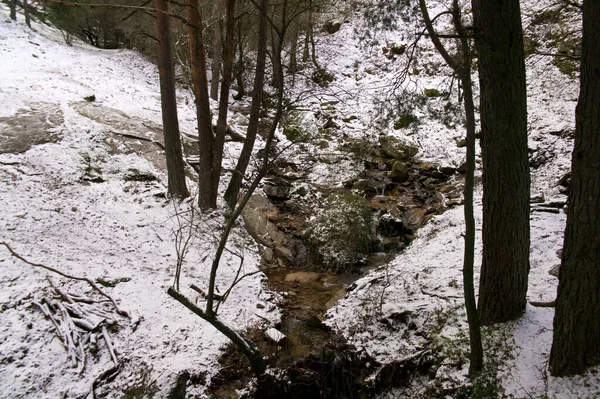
<point x="341" y="234"/>
<point x="405" y="120"/>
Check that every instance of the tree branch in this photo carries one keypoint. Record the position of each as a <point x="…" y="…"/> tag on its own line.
<point x="60" y="273"/>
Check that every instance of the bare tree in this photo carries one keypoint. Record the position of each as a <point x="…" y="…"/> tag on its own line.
<point x="231" y="195"/>
<point x="175" y="164"/>
<point x="461" y="65"/>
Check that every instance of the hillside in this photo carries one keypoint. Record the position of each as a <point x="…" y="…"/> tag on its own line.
<point x="83" y="190"/>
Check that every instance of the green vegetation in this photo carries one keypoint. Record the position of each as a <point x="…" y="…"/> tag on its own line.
<point x="405" y="121"/>
<point x="341" y="233"/>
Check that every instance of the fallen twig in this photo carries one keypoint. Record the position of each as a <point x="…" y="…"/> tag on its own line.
<point x="549" y="304"/>
<point x="87" y="280"/>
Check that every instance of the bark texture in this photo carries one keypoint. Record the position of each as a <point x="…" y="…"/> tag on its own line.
<point x="207" y="197"/>
<point x="505" y="268"/>
<point x="576" y="340"/>
<point x="174" y="155"/>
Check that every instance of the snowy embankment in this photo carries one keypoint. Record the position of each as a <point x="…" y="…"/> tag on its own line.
<point x="385" y="312"/>
<point x="117" y="229"/>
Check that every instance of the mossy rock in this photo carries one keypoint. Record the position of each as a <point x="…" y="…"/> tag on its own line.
<point x="404" y="121"/>
<point x="323" y="144"/>
<point x="395" y="148"/>
<point x="432" y="93"/>
<point x="350" y="118"/>
<point x="332" y="27"/>
<point x="399" y="172"/>
<point x="295" y="134"/>
<point x="566" y="65"/>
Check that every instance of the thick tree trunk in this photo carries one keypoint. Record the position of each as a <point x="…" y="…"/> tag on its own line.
<point x="259" y="78"/>
<point x="207" y="196"/>
<point x="168" y="98"/>
<point x="505" y="268"/>
<point x="216" y="61"/>
<point x="576" y="340"/>
<point x="229" y="54"/>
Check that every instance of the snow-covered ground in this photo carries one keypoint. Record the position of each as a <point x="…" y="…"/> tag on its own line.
<point x="115" y="229"/>
<point x="121" y="229"/>
<point x="426" y="279"/>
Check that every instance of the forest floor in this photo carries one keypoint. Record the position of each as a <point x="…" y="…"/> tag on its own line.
<point x="79" y="193"/>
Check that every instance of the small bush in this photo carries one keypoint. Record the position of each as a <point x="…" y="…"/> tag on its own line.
<point x="405" y="121"/>
<point x="432" y="93"/>
<point x="341" y="234"/>
<point x="322" y="77"/>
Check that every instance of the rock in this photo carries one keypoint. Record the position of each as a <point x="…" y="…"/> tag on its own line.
<point x="554" y="271"/>
<point x="461" y="143"/>
<point x="454" y="202"/>
<point x="565" y="181"/>
<point x="432" y="93"/>
<point x="136" y="175"/>
<point x="397" y="149"/>
<point x="276" y="336"/>
<point x="414" y="218"/>
<point x="302" y="277"/>
<point x="391" y="244"/>
<point x="256" y="214"/>
<point x="332" y="27"/>
<point x="283" y="253"/>
<point x="462" y="169"/>
<point x="537" y="199"/>
<point x="278" y="192"/>
<point x="390" y="227"/>
<point x="448" y="170"/>
<point x="314" y="321"/>
<point x="446" y="188"/>
<point x="399" y="172"/>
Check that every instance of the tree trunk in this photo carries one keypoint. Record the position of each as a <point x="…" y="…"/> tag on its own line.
<point x="12" y="4"/>
<point x="276" y="62"/>
<point x="461" y="64"/>
<point x="576" y="339"/>
<point x="505" y="268"/>
<point x="259" y="78"/>
<point x="207" y="197"/>
<point x="248" y="348"/>
<point x="216" y="61"/>
<point x="239" y="66"/>
<point x="27" y="15"/>
<point x="293" y="68"/>
<point x="168" y="98"/>
<point x="229" y="55"/>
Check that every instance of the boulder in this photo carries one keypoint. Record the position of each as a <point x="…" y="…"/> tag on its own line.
<point x="277" y="192"/>
<point x="332" y="27"/>
<point x="399" y="172"/>
<point x="414" y="218"/>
